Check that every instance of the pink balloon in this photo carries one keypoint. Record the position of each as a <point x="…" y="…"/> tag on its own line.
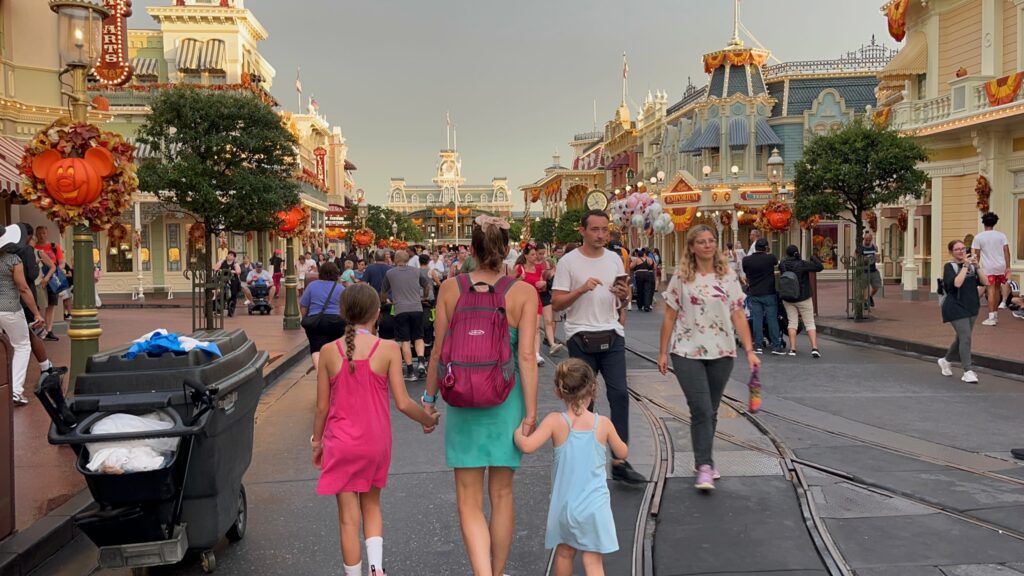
<point x="631" y="202"/>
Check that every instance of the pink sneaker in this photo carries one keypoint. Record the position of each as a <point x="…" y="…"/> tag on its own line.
<point x="705" y="478"/>
<point x="714" y="473"/>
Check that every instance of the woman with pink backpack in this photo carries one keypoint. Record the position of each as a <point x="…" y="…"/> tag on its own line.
<point x="484" y="365"/>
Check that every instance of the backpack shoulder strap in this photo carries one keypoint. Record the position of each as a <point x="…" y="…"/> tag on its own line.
<point x="503" y="285"/>
<point x="464" y="283"/>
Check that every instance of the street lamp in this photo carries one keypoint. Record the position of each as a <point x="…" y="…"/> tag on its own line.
<point x="79" y="29"/>
<point x="394" y="229"/>
<point x="706" y="171"/>
<point x="776" y="175"/>
<point x="735" y="171"/>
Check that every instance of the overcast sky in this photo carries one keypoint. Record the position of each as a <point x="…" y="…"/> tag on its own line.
<point x="519" y="77"/>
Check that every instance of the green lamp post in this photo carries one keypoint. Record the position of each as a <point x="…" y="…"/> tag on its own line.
<point x="291" y="226"/>
<point x="79" y="29"/>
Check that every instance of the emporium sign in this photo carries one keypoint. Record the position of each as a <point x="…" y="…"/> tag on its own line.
<point x="684" y="198"/>
<point x="113" y="68"/>
<point x="758" y="196"/>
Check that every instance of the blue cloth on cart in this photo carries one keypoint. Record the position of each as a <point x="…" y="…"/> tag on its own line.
<point x="161" y="341"/>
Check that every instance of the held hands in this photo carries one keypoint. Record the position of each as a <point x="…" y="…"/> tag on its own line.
<point x="434" y="415"/>
<point x="528" y="425"/>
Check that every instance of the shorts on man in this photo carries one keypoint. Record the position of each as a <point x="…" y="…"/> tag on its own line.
<point x="875" y="279"/>
<point x="408" y="326"/>
<point x="996" y="279"/>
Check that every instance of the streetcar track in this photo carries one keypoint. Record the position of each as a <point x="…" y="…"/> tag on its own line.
<point x="795" y="466"/>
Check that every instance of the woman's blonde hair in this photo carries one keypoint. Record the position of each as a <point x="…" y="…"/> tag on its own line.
<point x="688" y="261"/>
<point x="575" y="383"/>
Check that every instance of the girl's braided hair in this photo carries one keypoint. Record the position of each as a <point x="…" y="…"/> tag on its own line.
<point x="359" y="302"/>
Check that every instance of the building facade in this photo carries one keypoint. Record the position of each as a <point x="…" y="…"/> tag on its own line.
<point x="212" y="46"/>
<point x="444" y="210"/>
<point x="956" y="87"/>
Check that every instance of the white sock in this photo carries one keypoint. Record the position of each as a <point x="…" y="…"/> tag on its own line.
<point x="375" y="553"/>
<point x="45" y="365"/>
<point x="356" y="570"/>
<point x="993" y="315"/>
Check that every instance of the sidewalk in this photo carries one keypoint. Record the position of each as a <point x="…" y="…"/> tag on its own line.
<point x="916" y="326"/>
<point x="45" y="475"/>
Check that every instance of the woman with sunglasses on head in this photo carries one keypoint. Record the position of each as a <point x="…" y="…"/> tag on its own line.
<point x="703" y="316"/>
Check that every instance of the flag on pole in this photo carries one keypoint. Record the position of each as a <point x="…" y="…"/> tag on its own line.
<point x="625" y="67"/>
<point x="314" y="103"/>
<point x="298" y="80"/>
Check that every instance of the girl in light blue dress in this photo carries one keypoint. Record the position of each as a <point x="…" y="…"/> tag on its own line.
<point x="580" y="515"/>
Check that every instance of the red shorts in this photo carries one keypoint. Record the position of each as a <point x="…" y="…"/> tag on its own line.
<point x="277" y="280"/>
<point x="996" y="279"/>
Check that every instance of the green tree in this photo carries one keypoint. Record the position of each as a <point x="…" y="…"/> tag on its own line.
<point x="855" y="169"/>
<point x="380" y="219"/>
<point x="568" y="227"/>
<point x="225" y="158"/>
<point x="543" y="230"/>
<point x="515" y="230"/>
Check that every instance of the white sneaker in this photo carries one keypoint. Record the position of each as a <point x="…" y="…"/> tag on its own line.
<point x="945" y="367"/>
<point x="970" y="377"/>
<point x="1002" y="305"/>
<point x="989" y="322"/>
<point x="248" y="302"/>
<point x="540" y="360"/>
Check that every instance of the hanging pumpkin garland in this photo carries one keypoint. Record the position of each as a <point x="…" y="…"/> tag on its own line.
<point x="984" y="191"/>
<point x="78" y="175"/>
<point x="116" y="234"/>
<point x="810" y="222"/>
<point x="902" y="219"/>
<point x="871" y="219"/>
<point x="197" y="235"/>
<point x="775" y="216"/>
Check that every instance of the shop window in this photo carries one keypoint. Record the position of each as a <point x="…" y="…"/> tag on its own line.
<point x="174" y="248"/>
<point x="715" y="161"/>
<point x="760" y="159"/>
<point x="1019" y="240"/>
<point x="739" y="158"/>
<point x="415" y="199"/>
<point x="825" y="245"/>
<point x="120" y="252"/>
<point x="430" y="198"/>
<point x="147" y="260"/>
<point x="469" y="198"/>
<point x="894" y="242"/>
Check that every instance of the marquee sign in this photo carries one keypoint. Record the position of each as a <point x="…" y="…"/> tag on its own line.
<point x="321" y="164"/>
<point x="337" y="218"/>
<point x="758" y="196"/>
<point x="113" y="68"/>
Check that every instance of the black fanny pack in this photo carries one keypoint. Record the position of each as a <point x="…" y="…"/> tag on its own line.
<point x="595" y="342"/>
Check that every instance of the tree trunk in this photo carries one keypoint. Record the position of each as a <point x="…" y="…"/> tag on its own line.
<point x="209" y="311"/>
<point x="860" y="270"/>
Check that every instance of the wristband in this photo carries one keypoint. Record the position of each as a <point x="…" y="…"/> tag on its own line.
<point x="428" y="399"/>
<point x="313" y="444"/>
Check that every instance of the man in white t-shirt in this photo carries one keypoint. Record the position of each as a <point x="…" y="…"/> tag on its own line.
<point x="993" y="252"/>
<point x="591" y="285"/>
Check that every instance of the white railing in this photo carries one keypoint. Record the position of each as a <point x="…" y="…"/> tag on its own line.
<point x="967" y="98"/>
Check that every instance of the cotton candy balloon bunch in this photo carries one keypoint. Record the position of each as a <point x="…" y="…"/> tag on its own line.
<point x="643" y="212"/>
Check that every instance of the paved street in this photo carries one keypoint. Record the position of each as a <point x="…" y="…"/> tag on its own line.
<point x="905" y="472"/>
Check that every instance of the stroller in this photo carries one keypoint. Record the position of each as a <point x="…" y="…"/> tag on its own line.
<point x="196" y="497"/>
<point x="260" y="299"/>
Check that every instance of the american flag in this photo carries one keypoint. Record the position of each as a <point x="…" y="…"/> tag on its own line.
<point x="298" y="80"/>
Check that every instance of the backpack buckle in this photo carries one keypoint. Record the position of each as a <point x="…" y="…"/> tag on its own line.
<point x="449" y="378"/>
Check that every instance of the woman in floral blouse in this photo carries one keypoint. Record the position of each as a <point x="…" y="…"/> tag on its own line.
<point x="703" y="316"/>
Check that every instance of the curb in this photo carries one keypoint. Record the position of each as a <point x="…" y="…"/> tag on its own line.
<point x="25" y="551"/>
<point x="1014" y="367"/>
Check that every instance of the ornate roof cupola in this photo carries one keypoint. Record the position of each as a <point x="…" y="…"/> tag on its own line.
<point x="736" y="69"/>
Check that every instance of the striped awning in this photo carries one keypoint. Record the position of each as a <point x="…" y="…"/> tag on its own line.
<point x="912" y="60"/>
<point x="11" y="152"/>
<point x="691" y="143"/>
<point x="190" y="55"/>
<point x="765" y="135"/>
<point x="148" y="67"/>
<point x="711" y="138"/>
<point x="739" y="132"/>
<point x="213" y="56"/>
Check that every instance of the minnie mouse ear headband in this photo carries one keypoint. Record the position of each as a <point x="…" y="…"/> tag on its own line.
<point x="484" y="222"/>
<point x="11" y="238"/>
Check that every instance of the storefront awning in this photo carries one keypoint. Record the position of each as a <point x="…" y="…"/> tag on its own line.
<point x="146" y="67"/>
<point x="11" y="152"/>
<point x="190" y="55"/>
<point x="620" y="161"/>
<point x="213" y="55"/>
<point x="912" y="60"/>
<point x="765" y="135"/>
<point x="691" y="143"/>
<point x="739" y="132"/>
<point x="711" y="138"/>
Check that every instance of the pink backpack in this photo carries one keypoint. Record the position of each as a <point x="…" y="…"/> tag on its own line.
<point x="477" y="368"/>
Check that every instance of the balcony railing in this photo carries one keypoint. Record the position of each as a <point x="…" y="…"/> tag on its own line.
<point x="967" y="98"/>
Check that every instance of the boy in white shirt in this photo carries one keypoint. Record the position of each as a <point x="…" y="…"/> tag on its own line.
<point x="993" y="252"/>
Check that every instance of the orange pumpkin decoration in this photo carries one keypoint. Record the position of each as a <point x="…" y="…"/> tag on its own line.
<point x="363" y="237"/>
<point x="779" y="220"/>
<point x="74" y="181"/>
<point x="290" y="219"/>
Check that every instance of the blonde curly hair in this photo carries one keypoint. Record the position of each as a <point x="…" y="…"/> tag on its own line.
<point x="688" y="262"/>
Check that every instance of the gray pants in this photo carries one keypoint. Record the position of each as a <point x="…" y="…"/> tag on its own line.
<point x="960" y="349"/>
<point x="703" y="382"/>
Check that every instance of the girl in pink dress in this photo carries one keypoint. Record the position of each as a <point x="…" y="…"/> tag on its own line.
<point x="352" y="430"/>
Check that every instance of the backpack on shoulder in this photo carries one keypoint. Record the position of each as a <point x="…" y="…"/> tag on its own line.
<point x="789" y="286"/>
<point x="477" y="368"/>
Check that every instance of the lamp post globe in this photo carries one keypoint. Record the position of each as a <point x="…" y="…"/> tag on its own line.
<point x="79" y="29"/>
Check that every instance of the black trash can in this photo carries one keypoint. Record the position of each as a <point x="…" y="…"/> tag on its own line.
<point x="215" y="451"/>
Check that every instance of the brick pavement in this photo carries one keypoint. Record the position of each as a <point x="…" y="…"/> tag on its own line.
<point x="45" y="475"/>
<point x="917" y="326"/>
